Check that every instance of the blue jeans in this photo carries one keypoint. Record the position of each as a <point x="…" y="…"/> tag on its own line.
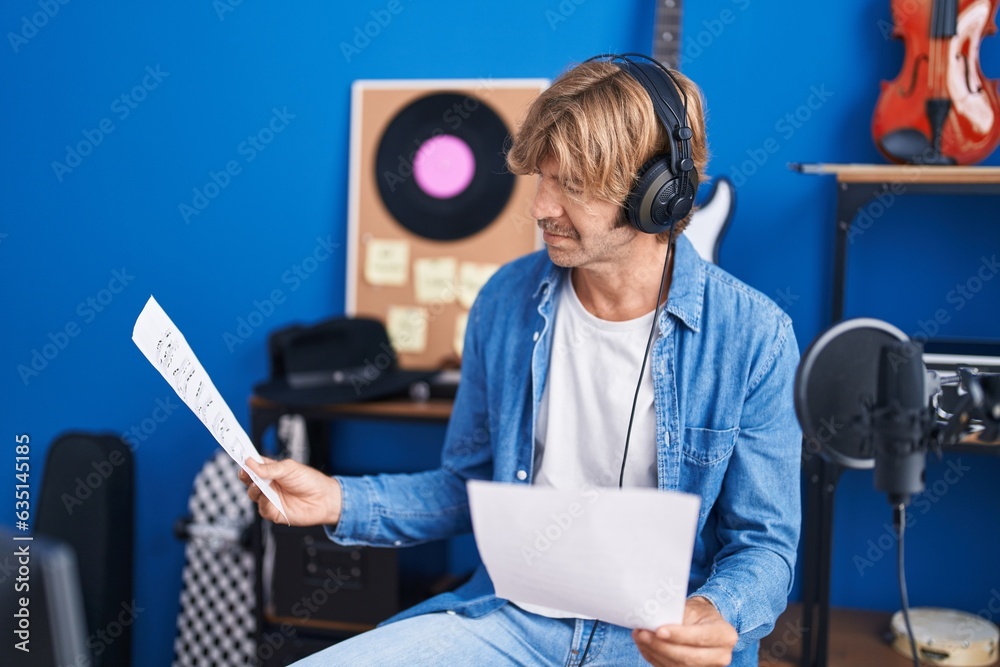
<point x="507" y="636"/>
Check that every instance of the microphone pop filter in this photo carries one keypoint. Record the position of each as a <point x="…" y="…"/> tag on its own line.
<point x="837" y="377"/>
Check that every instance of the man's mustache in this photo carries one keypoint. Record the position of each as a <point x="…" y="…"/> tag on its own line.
<point x="550" y="226"/>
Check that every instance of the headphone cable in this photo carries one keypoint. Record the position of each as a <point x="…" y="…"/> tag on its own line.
<point x="645" y="355"/>
<point x="635" y="397"/>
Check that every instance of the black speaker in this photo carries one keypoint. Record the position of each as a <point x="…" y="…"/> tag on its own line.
<point x="318" y="583"/>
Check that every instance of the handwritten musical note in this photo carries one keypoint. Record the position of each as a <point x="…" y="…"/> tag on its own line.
<point x="162" y="343"/>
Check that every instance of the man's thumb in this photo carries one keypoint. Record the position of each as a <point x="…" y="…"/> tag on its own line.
<point x="266" y="468"/>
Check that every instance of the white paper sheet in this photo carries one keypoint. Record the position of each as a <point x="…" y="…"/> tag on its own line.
<point x="164" y="346"/>
<point x="621" y="556"/>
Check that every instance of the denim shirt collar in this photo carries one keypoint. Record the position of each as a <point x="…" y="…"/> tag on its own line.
<point x="687" y="286"/>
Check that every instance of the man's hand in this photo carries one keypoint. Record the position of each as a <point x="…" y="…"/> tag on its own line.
<point x="705" y="638"/>
<point x="310" y="498"/>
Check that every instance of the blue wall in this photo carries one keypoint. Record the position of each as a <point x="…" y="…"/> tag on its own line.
<point x="217" y="73"/>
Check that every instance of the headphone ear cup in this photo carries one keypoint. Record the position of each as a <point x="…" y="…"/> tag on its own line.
<point x="683" y="199"/>
<point x="655" y="195"/>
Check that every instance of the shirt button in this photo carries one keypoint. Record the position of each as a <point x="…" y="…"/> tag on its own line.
<point x="535" y="337"/>
<point x="522" y="475"/>
<point x="397" y="542"/>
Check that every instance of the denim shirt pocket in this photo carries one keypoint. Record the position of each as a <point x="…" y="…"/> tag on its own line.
<point x="706" y="456"/>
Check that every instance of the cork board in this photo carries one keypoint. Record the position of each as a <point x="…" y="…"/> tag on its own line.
<point x="419" y="286"/>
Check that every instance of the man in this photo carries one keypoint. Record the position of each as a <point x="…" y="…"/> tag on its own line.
<point x="553" y="350"/>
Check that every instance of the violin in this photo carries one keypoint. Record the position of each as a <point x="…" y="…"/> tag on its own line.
<point x="940" y="109"/>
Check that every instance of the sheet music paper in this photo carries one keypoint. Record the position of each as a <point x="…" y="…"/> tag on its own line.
<point x="162" y="343"/>
<point x="621" y="556"/>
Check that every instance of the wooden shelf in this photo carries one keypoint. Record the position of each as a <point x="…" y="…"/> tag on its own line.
<point x="431" y="410"/>
<point x="903" y="173"/>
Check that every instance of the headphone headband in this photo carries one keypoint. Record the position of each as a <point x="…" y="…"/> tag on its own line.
<point x="665" y="186"/>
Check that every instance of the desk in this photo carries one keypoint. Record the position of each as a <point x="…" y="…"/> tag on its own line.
<point x="859" y="640"/>
<point x="857" y="186"/>
<point x="264" y="414"/>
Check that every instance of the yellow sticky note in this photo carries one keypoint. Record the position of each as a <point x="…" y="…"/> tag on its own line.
<point x="471" y="278"/>
<point x="387" y="262"/>
<point x="407" y="328"/>
<point x="461" y="322"/>
<point x="434" y="279"/>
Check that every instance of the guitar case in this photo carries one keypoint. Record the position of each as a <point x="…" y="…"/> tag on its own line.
<point x="87" y="503"/>
<point x="217" y="623"/>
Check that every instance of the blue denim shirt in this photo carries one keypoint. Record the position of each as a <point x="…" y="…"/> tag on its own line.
<point x="723" y="366"/>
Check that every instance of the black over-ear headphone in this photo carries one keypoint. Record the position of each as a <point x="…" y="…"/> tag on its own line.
<point x="665" y="186"/>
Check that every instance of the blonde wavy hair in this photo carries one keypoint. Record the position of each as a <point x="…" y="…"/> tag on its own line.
<point x="599" y="125"/>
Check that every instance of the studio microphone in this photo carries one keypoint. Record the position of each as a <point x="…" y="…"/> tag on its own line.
<point x="898" y="420"/>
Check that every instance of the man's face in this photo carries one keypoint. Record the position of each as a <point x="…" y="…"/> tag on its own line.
<point x="577" y="233"/>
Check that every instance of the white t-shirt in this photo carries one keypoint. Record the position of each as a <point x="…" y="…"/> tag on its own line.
<point x="584" y="412"/>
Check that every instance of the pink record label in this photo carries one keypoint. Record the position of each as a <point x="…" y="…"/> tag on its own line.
<point x="444" y="166"/>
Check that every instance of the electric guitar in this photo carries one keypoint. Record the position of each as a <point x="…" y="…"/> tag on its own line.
<point x="711" y="218"/>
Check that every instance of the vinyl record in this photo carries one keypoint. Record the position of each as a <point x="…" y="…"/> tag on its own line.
<point x="440" y="166"/>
